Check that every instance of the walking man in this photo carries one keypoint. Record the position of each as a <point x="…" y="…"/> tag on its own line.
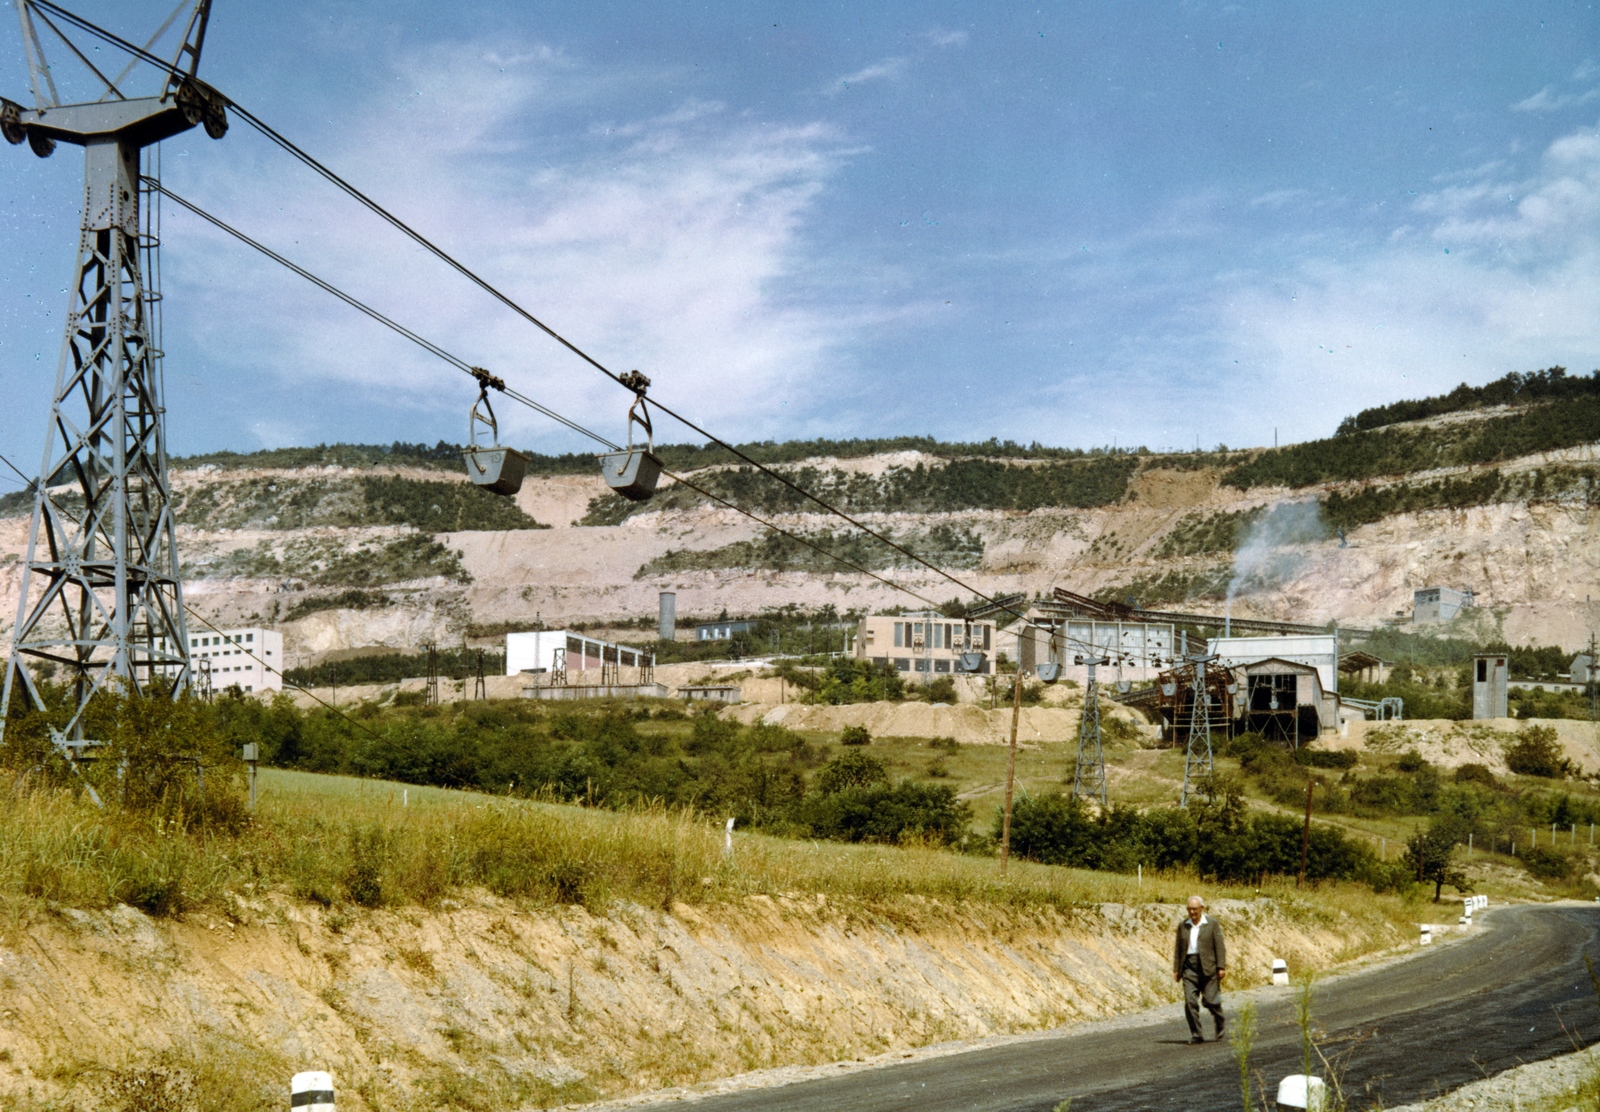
<point x="1200" y="961"/>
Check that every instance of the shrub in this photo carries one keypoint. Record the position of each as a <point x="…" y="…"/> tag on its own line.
<point x="1537" y="753"/>
<point x="851" y="770"/>
<point x="1325" y="758"/>
<point x="1548" y="863"/>
<point x="1476" y="774"/>
<point x="1411" y="761"/>
<point x="880" y="813"/>
<point x="855" y="735"/>
<point x="941" y="690"/>
<point x="947" y="744"/>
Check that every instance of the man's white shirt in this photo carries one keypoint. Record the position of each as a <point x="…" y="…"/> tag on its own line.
<point x="1194" y="935"/>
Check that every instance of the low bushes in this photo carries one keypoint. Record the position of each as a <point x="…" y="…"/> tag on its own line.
<point x="1214" y="836"/>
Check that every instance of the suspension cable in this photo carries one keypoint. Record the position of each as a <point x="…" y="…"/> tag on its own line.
<point x="325" y="172"/>
<point x="463" y="365"/>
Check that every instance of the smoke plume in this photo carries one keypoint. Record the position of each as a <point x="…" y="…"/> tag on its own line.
<point x="1265" y="558"/>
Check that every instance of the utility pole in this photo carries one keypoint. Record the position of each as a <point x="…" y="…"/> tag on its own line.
<point x="1011" y="769"/>
<point x="480" y="689"/>
<point x="1305" y="834"/>
<point x="432" y="694"/>
<point x="1089" y="775"/>
<point x="1197" y="760"/>
<point x="100" y="592"/>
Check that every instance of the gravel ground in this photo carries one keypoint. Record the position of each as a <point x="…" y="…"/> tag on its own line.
<point x="1539" y="1085"/>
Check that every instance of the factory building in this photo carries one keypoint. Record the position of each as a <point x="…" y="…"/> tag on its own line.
<point x="926" y="644"/>
<point x="1438" y="604"/>
<point x="250" y="659"/>
<point x="722" y="631"/>
<point x="558" y="650"/>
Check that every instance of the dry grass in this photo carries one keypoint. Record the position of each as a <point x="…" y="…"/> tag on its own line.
<point x="373" y="843"/>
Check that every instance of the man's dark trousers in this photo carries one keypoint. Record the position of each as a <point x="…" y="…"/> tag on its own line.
<point x="1198" y="989"/>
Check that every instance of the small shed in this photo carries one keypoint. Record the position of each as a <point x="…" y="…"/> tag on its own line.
<point x="710" y="693"/>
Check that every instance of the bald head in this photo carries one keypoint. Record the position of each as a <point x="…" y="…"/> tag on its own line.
<point x="1197" y="907"/>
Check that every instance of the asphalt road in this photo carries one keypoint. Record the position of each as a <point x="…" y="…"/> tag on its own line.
<point x="1515" y="992"/>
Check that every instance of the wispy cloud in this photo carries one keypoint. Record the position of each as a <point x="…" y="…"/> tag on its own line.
<point x="1479" y="279"/>
<point x="669" y="243"/>
<point x="1548" y="99"/>
<point x="887" y="70"/>
<point x="939" y="37"/>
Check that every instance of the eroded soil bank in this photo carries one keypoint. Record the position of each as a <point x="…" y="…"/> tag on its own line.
<point x="487" y="1006"/>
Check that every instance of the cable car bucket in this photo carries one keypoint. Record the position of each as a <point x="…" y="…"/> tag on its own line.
<point x="634" y="471"/>
<point x="494" y="467"/>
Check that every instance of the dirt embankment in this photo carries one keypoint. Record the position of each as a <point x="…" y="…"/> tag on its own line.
<point x="496" y="1008"/>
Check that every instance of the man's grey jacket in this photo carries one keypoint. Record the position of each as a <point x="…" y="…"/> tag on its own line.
<point x="1213" y="951"/>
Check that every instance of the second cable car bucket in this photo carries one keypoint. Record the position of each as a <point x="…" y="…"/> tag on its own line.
<point x="634" y="471"/>
<point x="494" y="467"/>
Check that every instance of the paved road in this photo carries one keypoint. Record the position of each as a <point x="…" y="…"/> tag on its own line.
<point x="1407" y="1031"/>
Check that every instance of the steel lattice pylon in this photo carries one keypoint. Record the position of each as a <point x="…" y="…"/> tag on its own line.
<point x="1197" y="759"/>
<point x="1089" y="775"/>
<point x="101" y="595"/>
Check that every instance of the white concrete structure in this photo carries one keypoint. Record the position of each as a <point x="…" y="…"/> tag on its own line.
<point x="1318" y="650"/>
<point x="1490" y="683"/>
<point x="1438" y="604"/>
<point x="250" y="659"/>
<point x="537" y="651"/>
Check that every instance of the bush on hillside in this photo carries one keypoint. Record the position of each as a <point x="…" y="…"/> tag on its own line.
<point x="1537" y="752"/>
<point x="855" y="735"/>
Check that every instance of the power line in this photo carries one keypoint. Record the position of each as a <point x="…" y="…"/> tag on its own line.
<point x="463" y="365"/>
<point x="328" y="174"/>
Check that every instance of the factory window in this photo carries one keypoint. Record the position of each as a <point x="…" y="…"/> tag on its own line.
<point x="1483" y="671"/>
<point x="986" y="636"/>
<point x="941" y="665"/>
<point x="902" y="663"/>
<point x="922" y="665"/>
<point x="899" y="635"/>
<point x="880" y="660"/>
<point x="249" y="637"/>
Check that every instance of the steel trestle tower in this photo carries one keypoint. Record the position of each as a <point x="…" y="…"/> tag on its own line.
<point x="1197" y="757"/>
<point x="1089" y="777"/>
<point x="101" y="596"/>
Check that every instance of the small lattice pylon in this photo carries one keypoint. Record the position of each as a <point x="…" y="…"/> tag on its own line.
<point x="1089" y="775"/>
<point x="1197" y="762"/>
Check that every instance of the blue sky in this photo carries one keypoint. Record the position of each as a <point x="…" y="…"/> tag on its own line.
<point x="1082" y="224"/>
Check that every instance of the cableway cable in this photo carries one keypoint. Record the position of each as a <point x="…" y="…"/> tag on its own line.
<point x="463" y="365"/>
<point x="325" y="172"/>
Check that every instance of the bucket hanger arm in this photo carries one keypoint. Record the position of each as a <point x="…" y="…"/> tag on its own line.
<point x="639" y="411"/>
<point x="482" y="411"/>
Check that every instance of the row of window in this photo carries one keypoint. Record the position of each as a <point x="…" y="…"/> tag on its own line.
<point x="198" y="642"/>
<point x="922" y="664"/>
<point x="955" y="636"/>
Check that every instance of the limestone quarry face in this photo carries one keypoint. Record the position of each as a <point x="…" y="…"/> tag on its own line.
<point x="1535" y="567"/>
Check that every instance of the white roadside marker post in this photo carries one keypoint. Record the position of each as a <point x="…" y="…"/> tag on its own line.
<point x="1280" y="971"/>
<point x="1427" y="935"/>
<point x="311" y="1091"/>
<point x="1299" y="1091"/>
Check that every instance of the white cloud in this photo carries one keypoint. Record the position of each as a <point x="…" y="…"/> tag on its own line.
<point x="1548" y="99"/>
<point x="886" y="70"/>
<point x="1489" y="277"/>
<point x="666" y="244"/>
<point x="946" y="38"/>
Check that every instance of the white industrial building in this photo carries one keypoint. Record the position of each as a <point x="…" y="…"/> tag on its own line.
<point x="549" y="650"/>
<point x="250" y="659"/>
<point x="1438" y="604"/>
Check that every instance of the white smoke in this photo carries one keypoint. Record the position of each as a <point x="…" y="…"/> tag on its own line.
<point x="1267" y="558"/>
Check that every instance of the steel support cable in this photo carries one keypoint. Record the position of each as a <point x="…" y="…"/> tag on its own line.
<point x="203" y="621"/>
<point x="328" y="174"/>
<point x="463" y="365"/>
